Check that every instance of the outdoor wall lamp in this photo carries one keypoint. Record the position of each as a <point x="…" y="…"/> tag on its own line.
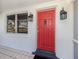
<point x="30" y="17"/>
<point x="63" y="14"/>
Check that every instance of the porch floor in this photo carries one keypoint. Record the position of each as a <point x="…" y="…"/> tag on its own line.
<point x="9" y="53"/>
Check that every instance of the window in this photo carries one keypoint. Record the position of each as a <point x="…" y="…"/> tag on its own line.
<point x="22" y="23"/>
<point x="17" y="23"/>
<point x="11" y="23"/>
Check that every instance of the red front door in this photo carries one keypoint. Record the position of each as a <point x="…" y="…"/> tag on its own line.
<point x="46" y="30"/>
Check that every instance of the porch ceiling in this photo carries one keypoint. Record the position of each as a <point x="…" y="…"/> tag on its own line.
<point x="10" y="4"/>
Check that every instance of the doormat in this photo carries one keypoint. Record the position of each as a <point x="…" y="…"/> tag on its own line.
<point x="39" y="57"/>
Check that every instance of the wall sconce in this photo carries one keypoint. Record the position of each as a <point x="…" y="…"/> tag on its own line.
<point x="63" y="14"/>
<point x="30" y="17"/>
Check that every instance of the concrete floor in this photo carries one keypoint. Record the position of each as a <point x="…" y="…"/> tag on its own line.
<point x="9" y="53"/>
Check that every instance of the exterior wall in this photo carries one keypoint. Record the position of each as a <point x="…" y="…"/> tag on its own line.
<point x="76" y="19"/>
<point x="76" y="29"/>
<point x="75" y="50"/>
<point x="28" y="42"/>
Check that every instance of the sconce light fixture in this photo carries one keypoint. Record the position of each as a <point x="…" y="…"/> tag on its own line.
<point x="30" y="17"/>
<point x="63" y="14"/>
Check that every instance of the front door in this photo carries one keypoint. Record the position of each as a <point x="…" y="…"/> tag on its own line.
<point x="46" y="30"/>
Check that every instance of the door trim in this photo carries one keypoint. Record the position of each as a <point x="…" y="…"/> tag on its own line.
<point x="45" y="9"/>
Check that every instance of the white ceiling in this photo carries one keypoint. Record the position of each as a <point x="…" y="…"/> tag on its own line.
<point x="10" y="4"/>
